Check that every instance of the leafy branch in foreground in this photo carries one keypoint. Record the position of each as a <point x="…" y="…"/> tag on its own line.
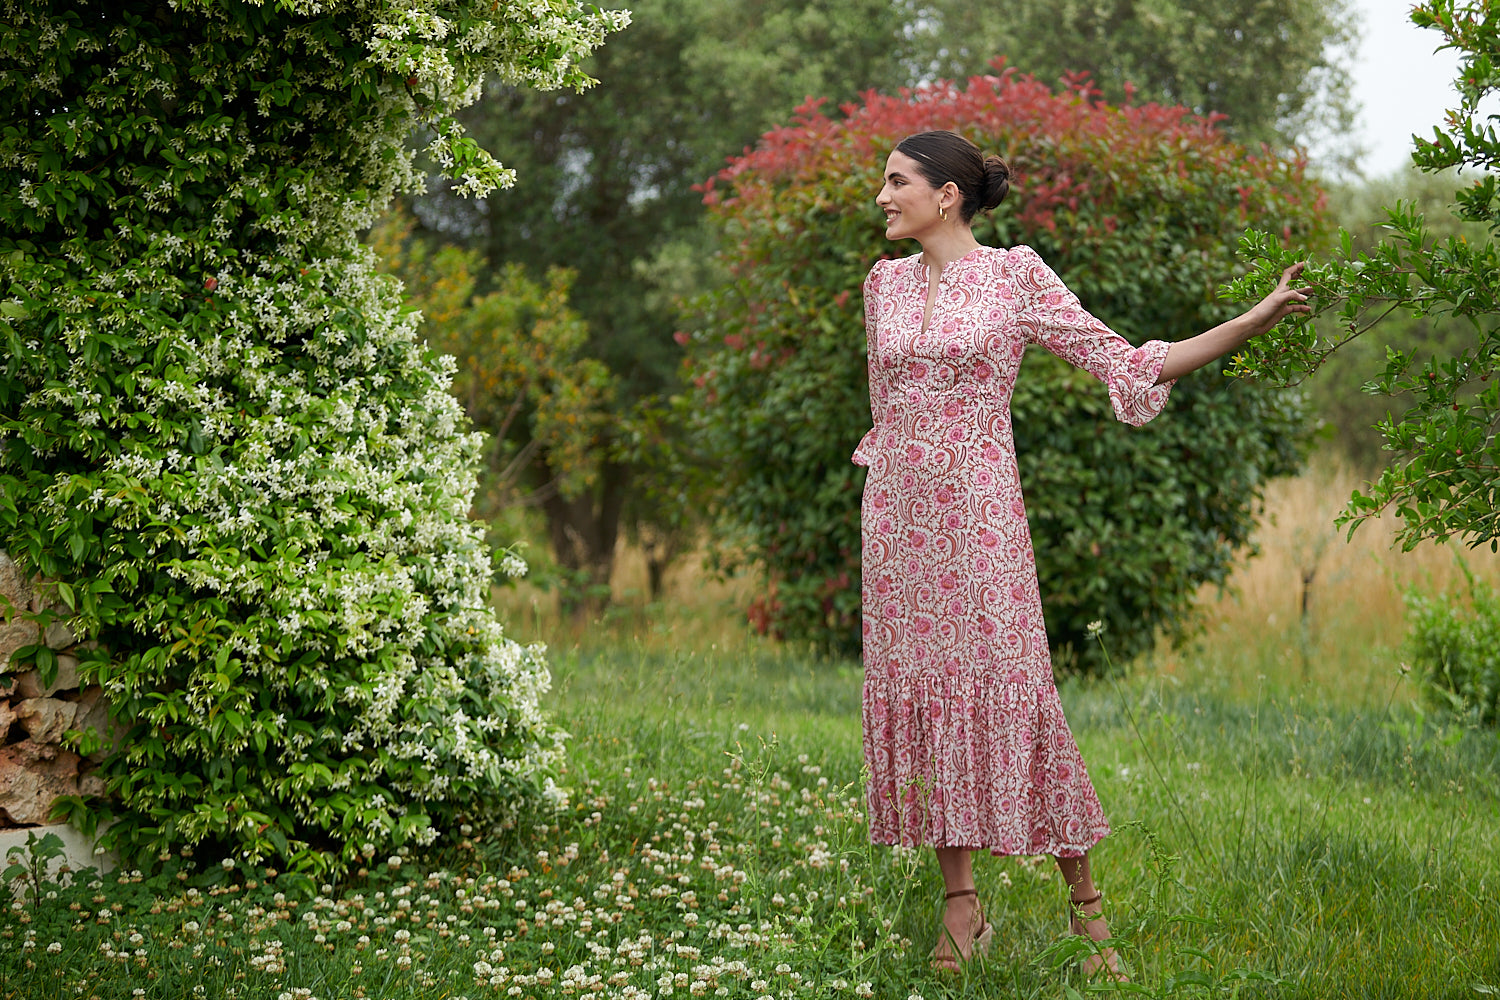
<point x="1444" y="477"/>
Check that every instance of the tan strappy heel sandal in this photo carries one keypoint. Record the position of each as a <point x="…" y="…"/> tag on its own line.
<point x="1105" y="961"/>
<point x="978" y="945"/>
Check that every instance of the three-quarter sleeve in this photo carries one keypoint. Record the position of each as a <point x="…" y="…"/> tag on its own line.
<point x="1053" y="317"/>
<point x="863" y="453"/>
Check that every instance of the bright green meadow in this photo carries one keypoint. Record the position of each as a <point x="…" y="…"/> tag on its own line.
<point x="1278" y="832"/>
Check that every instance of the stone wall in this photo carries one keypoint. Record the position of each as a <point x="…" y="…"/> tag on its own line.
<point x="35" y="766"/>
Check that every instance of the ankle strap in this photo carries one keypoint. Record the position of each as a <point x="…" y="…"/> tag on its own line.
<point x="961" y="892"/>
<point x="1086" y="902"/>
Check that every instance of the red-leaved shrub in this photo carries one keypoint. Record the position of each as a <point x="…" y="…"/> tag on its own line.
<point x="1138" y="209"/>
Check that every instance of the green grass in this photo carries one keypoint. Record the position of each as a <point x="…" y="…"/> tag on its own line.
<point x="1287" y="844"/>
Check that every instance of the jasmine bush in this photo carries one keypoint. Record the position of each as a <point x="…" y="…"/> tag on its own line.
<point x="220" y="432"/>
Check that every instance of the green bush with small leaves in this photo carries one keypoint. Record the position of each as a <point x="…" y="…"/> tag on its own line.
<point x="221" y="432"/>
<point x="1455" y="646"/>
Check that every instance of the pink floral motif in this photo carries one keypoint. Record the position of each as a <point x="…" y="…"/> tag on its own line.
<point x="965" y="739"/>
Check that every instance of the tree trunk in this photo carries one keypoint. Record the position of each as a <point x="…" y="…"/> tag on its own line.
<point x="661" y="546"/>
<point x="583" y="531"/>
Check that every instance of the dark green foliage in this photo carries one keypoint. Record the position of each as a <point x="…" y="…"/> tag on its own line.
<point x="1138" y="209"/>
<point x="1455" y="644"/>
<point x="606" y="189"/>
<point x="1276" y="71"/>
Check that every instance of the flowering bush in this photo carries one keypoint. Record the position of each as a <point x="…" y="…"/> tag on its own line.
<point x="220" y="430"/>
<point x="1138" y="208"/>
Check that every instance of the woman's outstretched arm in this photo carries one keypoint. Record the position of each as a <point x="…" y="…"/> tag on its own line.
<point x="1189" y="355"/>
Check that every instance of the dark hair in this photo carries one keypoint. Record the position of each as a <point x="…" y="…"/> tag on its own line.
<point x="944" y="156"/>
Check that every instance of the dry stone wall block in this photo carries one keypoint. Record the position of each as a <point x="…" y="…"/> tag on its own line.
<point x="14" y="634"/>
<point x="46" y="719"/>
<point x="93" y="713"/>
<point x="59" y="636"/>
<point x="15" y="587"/>
<point x="32" y="776"/>
<point x="31" y="686"/>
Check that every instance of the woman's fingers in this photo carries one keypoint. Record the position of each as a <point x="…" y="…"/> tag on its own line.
<point x="1293" y="299"/>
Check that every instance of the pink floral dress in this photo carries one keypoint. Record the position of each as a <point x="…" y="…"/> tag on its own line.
<point x="963" y="732"/>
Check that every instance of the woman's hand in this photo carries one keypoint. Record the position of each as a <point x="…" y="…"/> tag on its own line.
<point x="1283" y="301"/>
<point x="1189" y="355"/>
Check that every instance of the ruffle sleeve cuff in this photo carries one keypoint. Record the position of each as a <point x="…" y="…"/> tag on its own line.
<point x="1133" y="391"/>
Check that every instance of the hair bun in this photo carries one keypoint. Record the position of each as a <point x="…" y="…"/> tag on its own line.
<point x="996" y="182"/>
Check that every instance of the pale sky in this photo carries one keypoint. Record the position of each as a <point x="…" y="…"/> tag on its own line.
<point x="1400" y="83"/>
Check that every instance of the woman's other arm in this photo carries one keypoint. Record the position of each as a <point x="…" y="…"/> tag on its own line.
<point x="1189" y="355"/>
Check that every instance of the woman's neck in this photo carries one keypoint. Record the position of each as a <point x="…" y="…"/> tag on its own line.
<point x="941" y="249"/>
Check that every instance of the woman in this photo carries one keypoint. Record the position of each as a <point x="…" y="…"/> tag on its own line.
<point x="964" y="736"/>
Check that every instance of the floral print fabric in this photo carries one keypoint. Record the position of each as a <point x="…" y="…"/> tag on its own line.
<point x="963" y="733"/>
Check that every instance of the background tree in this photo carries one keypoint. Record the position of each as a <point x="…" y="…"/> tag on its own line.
<point x="522" y="375"/>
<point x="221" y="434"/>
<point x="1138" y="209"/>
<point x="606" y="188"/>
<point x="1276" y="69"/>
<point x="1443" y="474"/>
<point x="608" y="175"/>
<point x="1340" y="391"/>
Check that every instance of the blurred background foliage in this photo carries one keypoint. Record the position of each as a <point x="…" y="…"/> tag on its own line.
<point x="523" y="372"/>
<point x="610" y="192"/>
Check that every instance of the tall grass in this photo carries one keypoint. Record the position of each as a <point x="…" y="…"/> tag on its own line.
<point x="1316" y="611"/>
<point x="1309" y="611"/>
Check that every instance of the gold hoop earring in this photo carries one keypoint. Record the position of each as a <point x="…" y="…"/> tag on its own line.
<point x="943" y="213"/>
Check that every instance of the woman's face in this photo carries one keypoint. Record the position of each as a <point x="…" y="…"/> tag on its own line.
<point x="912" y="206"/>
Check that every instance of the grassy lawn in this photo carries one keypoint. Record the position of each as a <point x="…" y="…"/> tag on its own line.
<point x="1287" y="823"/>
<point x="715" y="847"/>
